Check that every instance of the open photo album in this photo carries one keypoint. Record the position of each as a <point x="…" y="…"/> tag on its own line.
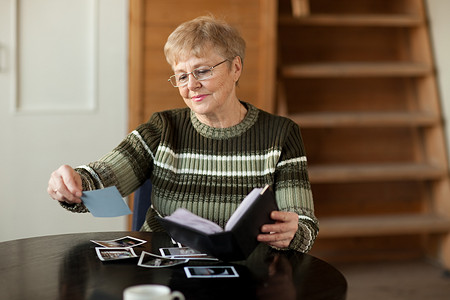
<point x="234" y="242"/>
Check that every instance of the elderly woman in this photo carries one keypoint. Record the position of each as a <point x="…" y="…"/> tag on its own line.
<point x="209" y="156"/>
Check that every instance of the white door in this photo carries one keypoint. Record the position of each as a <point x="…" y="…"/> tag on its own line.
<point x="63" y="100"/>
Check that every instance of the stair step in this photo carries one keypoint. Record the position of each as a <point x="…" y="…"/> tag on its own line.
<point x="385" y="20"/>
<point x="382" y="225"/>
<point x="367" y="69"/>
<point x="379" y="119"/>
<point x="372" y="172"/>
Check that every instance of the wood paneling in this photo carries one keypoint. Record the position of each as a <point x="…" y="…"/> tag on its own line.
<point x="153" y="21"/>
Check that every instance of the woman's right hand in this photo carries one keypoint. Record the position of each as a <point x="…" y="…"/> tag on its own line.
<point x="65" y="185"/>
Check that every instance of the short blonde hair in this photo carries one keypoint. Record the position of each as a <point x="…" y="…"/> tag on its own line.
<point x="193" y="37"/>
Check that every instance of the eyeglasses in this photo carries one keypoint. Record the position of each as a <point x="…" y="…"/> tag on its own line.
<point x="201" y="73"/>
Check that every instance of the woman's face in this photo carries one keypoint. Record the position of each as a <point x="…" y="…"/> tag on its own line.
<point x="212" y="99"/>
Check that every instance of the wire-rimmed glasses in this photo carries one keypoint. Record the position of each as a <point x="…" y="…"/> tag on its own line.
<point x="200" y="73"/>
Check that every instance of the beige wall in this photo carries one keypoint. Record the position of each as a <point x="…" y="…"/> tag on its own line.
<point x="438" y="11"/>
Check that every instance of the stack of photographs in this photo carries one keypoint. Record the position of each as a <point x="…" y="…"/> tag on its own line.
<point x="122" y="248"/>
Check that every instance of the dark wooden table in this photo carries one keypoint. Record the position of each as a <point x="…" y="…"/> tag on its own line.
<point x="67" y="267"/>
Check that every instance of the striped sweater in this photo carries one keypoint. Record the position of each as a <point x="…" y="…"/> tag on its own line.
<point x="210" y="170"/>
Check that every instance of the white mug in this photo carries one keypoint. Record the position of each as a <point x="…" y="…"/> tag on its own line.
<point x="151" y="292"/>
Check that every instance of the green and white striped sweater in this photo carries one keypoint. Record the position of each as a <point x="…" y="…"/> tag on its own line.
<point x="210" y="170"/>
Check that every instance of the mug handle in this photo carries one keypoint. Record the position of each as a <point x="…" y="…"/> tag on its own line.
<point x="177" y="295"/>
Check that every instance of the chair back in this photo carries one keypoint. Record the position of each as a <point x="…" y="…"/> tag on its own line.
<point x="141" y="204"/>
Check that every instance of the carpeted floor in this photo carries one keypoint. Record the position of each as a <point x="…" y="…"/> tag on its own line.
<point x="415" y="280"/>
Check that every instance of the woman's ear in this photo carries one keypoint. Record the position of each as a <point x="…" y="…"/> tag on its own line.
<point x="237" y="68"/>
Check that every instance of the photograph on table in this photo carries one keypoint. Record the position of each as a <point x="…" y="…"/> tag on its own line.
<point x="123" y="242"/>
<point x="149" y="260"/>
<point x="211" y="272"/>
<point x="111" y="254"/>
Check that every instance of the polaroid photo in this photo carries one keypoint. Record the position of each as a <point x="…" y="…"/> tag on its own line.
<point x="185" y="252"/>
<point x="124" y="242"/>
<point x="111" y="254"/>
<point x="149" y="260"/>
<point x="179" y="251"/>
<point x="211" y="272"/>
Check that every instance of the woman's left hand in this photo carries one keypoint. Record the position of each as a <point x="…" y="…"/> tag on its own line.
<point x="281" y="233"/>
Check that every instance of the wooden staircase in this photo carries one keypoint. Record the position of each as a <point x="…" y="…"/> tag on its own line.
<point x="358" y="77"/>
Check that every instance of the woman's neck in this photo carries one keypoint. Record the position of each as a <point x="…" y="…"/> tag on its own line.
<point x="232" y="117"/>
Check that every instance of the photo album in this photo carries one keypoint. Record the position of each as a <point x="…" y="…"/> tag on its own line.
<point x="234" y="242"/>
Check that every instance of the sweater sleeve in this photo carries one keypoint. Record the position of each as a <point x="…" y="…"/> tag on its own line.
<point x="293" y="189"/>
<point x="127" y="166"/>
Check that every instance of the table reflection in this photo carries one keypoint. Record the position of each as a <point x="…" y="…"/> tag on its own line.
<point x="279" y="282"/>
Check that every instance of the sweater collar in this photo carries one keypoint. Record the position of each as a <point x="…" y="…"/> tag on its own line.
<point x="229" y="132"/>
